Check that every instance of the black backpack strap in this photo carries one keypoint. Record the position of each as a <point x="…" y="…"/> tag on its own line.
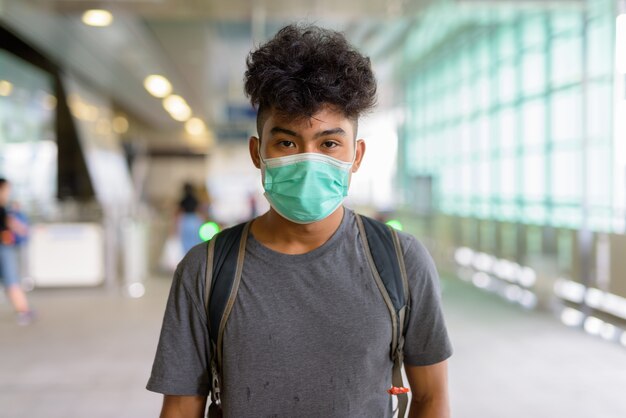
<point x="224" y="269"/>
<point x="225" y="257"/>
<point x="384" y="253"/>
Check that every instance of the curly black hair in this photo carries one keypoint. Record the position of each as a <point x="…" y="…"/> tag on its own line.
<point x="305" y="67"/>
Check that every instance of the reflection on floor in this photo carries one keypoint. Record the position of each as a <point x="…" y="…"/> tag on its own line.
<point x="90" y="353"/>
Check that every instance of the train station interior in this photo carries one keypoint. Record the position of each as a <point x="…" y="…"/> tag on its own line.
<point x="498" y="141"/>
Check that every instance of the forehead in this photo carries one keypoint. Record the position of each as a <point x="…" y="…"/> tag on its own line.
<point x="326" y="118"/>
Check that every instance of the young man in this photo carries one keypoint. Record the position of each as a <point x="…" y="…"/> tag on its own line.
<point x="309" y="332"/>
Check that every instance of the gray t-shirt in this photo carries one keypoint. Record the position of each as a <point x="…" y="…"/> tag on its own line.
<point x="309" y="335"/>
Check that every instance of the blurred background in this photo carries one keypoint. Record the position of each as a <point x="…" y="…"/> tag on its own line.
<point x="499" y="141"/>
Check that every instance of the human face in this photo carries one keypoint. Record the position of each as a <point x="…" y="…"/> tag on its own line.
<point x="327" y="132"/>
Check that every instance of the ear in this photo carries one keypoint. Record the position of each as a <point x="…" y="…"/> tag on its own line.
<point x="254" y="147"/>
<point x="360" y="152"/>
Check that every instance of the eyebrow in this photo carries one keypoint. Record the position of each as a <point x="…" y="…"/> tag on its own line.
<point x="278" y="129"/>
<point x="336" y="131"/>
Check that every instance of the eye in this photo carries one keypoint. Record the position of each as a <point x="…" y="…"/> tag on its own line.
<point x="286" y="144"/>
<point x="330" y="144"/>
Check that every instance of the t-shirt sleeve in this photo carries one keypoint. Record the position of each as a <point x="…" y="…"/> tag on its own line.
<point x="426" y="339"/>
<point x="181" y="362"/>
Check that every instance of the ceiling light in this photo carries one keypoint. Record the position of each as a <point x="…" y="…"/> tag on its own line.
<point x="103" y="127"/>
<point x="5" y="88"/>
<point x="195" y="126"/>
<point x="157" y="85"/>
<point x="181" y="115"/>
<point x="120" y="125"/>
<point x="174" y="103"/>
<point x="49" y="102"/>
<point x="177" y="107"/>
<point x="99" y="18"/>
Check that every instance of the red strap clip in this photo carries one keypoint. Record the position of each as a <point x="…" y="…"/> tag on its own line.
<point x="397" y="391"/>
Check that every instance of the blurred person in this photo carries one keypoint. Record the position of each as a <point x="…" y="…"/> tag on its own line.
<point x="12" y="229"/>
<point x="21" y="240"/>
<point x="205" y="202"/>
<point x="188" y="219"/>
<point x="309" y="332"/>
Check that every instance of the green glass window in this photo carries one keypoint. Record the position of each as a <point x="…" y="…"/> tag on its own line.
<point x="499" y="119"/>
<point x="533" y="73"/>
<point x="566" y="60"/>
<point x="534" y="123"/>
<point x="599" y="118"/>
<point x="566" y="115"/>
<point x="566" y="176"/>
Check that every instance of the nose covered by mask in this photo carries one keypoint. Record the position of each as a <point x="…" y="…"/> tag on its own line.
<point x="305" y="188"/>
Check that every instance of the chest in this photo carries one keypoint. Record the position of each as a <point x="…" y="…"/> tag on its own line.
<point x="328" y="306"/>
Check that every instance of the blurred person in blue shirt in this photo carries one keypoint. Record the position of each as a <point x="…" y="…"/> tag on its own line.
<point x="11" y="230"/>
<point x="189" y="220"/>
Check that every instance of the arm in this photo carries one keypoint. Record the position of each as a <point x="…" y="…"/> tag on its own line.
<point x="429" y="386"/>
<point x="183" y="406"/>
<point x="17" y="226"/>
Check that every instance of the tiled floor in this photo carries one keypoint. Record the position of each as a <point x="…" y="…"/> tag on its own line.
<point x="90" y="353"/>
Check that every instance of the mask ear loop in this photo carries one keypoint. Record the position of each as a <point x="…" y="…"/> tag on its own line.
<point x="354" y="155"/>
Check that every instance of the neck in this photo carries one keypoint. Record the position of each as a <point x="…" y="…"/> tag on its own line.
<point x="284" y="236"/>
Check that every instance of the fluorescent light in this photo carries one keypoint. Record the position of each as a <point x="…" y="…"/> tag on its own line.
<point x="157" y="85"/>
<point x="505" y="269"/>
<point x="5" y="88"/>
<point x="195" y="126"/>
<point x="615" y="305"/>
<point x="483" y="261"/>
<point x="97" y="17"/>
<point x="481" y="280"/>
<point x="569" y="290"/>
<point x="593" y="325"/>
<point x="513" y="293"/>
<point x="464" y="256"/>
<point x="528" y="300"/>
<point x="608" y="332"/>
<point x="136" y="290"/>
<point x="527" y="277"/>
<point x="594" y="297"/>
<point x="571" y="317"/>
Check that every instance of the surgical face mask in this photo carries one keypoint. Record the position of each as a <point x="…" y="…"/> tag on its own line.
<point x="305" y="188"/>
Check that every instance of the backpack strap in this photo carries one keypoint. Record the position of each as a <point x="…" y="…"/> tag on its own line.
<point x="384" y="254"/>
<point x="225" y="256"/>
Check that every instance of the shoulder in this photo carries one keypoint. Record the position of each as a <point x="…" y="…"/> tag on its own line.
<point x="415" y="253"/>
<point x="195" y="258"/>
<point x="420" y="266"/>
<point x="412" y="247"/>
<point x="191" y="270"/>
